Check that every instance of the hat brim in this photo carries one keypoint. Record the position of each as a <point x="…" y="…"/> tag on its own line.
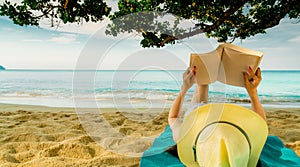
<point x="249" y="121"/>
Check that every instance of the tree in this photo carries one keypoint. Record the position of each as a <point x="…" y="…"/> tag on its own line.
<point x="30" y="12"/>
<point x="224" y="20"/>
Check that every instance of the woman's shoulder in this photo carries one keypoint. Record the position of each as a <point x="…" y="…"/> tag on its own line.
<point x="192" y="107"/>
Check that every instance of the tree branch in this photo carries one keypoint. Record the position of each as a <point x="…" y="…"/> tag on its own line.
<point x="208" y="28"/>
<point x="66" y="4"/>
<point x="51" y="8"/>
<point x="229" y="12"/>
<point x="294" y="4"/>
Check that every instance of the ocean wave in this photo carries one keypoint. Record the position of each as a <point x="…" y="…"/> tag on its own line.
<point x="24" y="94"/>
<point x="135" y="94"/>
<point x="36" y="94"/>
<point x="213" y="96"/>
<point x="162" y="94"/>
<point x="102" y="90"/>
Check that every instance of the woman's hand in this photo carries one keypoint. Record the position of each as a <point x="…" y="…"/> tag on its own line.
<point x="251" y="87"/>
<point x="188" y="79"/>
<point x="252" y="83"/>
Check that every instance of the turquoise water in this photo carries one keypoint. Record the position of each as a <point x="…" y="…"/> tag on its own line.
<point x="133" y="88"/>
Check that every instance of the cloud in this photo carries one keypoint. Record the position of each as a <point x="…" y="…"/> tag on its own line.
<point x="86" y="28"/>
<point x="7" y="29"/>
<point x="296" y="39"/>
<point x="64" y="39"/>
<point x="32" y="40"/>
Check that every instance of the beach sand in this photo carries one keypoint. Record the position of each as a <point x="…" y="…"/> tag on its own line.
<point x="45" y="136"/>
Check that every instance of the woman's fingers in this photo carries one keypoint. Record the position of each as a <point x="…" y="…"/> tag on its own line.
<point x="246" y="79"/>
<point x="188" y="74"/>
<point x="194" y="70"/>
<point x="186" y="71"/>
<point x="252" y="79"/>
<point x="258" y="73"/>
<point x="188" y="79"/>
<point x="253" y="76"/>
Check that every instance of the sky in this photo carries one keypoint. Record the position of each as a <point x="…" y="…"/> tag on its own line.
<point x="67" y="46"/>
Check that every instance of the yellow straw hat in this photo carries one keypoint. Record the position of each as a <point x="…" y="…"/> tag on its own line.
<point x="221" y="135"/>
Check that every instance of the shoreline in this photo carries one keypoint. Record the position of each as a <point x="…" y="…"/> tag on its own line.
<point x="267" y="106"/>
<point x="55" y="136"/>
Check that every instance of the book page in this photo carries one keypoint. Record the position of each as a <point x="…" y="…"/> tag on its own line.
<point x="207" y="66"/>
<point x="235" y="61"/>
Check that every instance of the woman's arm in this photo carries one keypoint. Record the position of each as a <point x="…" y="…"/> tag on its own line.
<point x="173" y="119"/>
<point x="200" y="94"/>
<point x="251" y="87"/>
<point x="174" y="122"/>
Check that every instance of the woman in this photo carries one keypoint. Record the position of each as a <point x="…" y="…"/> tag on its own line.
<point x="219" y="134"/>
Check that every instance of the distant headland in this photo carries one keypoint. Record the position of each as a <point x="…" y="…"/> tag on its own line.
<point x="2" y="68"/>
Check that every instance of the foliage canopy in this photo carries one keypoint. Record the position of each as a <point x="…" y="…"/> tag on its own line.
<point x="224" y="20"/>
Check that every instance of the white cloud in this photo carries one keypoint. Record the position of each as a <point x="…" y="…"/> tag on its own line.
<point x="64" y="39"/>
<point x="84" y="28"/>
<point x="283" y="58"/>
<point x="87" y="28"/>
<point x="296" y="39"/>
<point x="7" y="29"/>
<point x="32" y="40"/>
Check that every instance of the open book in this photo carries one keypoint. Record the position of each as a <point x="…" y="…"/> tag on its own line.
<point x="225" y="64"/>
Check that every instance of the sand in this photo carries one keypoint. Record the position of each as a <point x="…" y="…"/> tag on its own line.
<point x="44" y="136"/>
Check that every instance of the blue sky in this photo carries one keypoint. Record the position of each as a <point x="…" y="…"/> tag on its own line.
<point x="46" y="48"/>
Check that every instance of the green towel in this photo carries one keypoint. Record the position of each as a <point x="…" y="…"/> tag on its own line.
<point x="156" y="155"/>
<point x="274" y="153"/>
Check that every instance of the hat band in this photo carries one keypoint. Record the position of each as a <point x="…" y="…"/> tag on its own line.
<point x="224" y="122"/>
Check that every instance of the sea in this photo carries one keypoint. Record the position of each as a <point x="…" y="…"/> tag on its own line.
<point x="134" y="88"/>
